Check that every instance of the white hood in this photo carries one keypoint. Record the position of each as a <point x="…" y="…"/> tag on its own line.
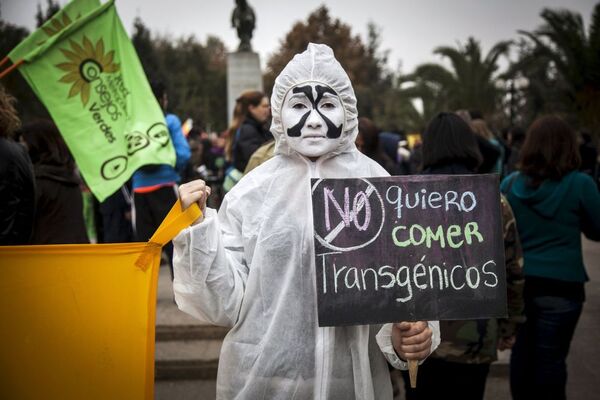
<point x="316" y="64"/>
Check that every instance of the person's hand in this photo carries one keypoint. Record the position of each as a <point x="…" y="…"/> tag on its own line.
<point x="194" y="192"/>
<point x="412" y="340"/>
<point x="506" y="343"/>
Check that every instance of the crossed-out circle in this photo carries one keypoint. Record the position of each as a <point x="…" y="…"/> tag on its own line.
<point x="328" y="244"/>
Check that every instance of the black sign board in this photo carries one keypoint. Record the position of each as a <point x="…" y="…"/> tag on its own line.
<point x="408" y="248"/>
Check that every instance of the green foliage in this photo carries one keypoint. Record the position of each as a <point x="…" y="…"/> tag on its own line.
<point x="562" y="61"/>
<point x="469" y="84"/>
<point x="27" y="105"/>
<point x="321" y="28"/>
<point x="52" y="8"/>
<point x="194" y="74"/>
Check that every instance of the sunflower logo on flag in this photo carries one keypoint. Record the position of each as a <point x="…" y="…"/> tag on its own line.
<point x="86" y="62"/>
<point x="57" y="25"/>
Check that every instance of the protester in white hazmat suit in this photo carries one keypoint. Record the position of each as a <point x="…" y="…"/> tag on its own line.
<point x="251" y="267"/>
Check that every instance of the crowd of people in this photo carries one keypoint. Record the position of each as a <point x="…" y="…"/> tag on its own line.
<point x="223" y="266"/>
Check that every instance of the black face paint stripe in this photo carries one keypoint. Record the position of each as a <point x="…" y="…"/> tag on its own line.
<point x="296" y="130"/>
<point x="307" y="90"/>
<point x="333" y="132"/>
<point x="321" y="90"/>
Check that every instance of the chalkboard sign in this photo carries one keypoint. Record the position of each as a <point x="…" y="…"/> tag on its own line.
<point x="408" y="248"/>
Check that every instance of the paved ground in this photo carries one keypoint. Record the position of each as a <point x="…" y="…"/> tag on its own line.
<point x="584" y="357"/>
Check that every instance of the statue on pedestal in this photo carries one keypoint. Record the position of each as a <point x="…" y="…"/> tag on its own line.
<point x="243" y="20"/>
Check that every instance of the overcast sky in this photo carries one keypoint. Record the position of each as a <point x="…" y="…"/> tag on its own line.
<point x="410" y="29"/>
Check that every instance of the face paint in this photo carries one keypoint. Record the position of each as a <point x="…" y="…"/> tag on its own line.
<point x="313" y="118"/>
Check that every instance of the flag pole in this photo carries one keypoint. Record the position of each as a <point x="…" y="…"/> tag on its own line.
<point x="11" y="68"/>
<point x="4" y="60"/>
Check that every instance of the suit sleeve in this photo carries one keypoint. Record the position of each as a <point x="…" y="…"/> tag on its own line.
<point x="210" y="270"/>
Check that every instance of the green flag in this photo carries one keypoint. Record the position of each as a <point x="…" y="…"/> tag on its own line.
<point x="59" y="21"/>
<point x="91" y="81"/>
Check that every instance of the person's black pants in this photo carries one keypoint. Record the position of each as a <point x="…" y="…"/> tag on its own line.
<point x="439" y="379"/>
<point x="149" y="211"/>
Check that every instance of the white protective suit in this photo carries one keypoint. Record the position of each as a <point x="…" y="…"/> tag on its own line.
<point x="251" y="267"/>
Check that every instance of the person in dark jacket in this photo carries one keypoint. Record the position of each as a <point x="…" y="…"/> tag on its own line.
<point x="59" y="210"/>
<point x="460" y="365"/>
<point x="115" y="215"/>
<point x="17" y="187"/>
<point x="247" y="131"/>
<point x="554" y="204"/>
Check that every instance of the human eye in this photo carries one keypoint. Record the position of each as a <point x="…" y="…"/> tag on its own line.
<point x="328" y="105"/>
<point x="298" y="106"/>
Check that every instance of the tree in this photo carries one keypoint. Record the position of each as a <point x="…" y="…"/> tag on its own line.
<point x="571" y="59"/>
<point x="194" y="74"/>
<point x="364" y="64"/>
<point x="146" y="50"/>
<point x="28" y="105"/>
<point x="469" y="84"/>
<point x="52" y="8"/>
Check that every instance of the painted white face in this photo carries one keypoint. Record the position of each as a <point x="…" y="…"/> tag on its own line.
<point x="312" y="116"/>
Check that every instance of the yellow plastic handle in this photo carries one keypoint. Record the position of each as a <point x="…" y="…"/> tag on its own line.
<point x="174" y="222"/>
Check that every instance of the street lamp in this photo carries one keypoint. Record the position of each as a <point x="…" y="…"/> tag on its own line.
<point x="512" y="86"/>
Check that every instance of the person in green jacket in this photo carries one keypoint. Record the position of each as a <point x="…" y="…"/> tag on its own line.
<point x="553" y="205"/>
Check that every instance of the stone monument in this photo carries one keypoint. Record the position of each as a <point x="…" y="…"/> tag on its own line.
<point x="243" y="66"/>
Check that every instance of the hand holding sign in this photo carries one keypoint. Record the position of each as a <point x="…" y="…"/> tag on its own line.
<point x="412" y="342"/>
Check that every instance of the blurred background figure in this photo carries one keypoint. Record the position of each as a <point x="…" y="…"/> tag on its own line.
<point x="394" y="146"/>
<point x="246" y="133"/>
<point x="196" y="139"/>
<point x="367" y="142"/>
<point x="515" y="137"/>
<point x="553" y="204"/>
<point x="59" y="205"/>
<point x="17" y="187"/>
<point x="154" y="186"/>
<point x="460" y="365"/>
<point x="262" y="154"/>
<point x="589" y="155"/>
<point x="495" y="162"/>
<point x="115" y="215"/>
<point x="489" y="152"/>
